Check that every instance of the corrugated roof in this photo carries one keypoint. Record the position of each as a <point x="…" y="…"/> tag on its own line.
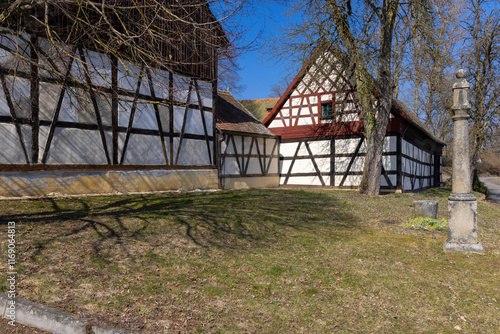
<point x="232" y="116"/>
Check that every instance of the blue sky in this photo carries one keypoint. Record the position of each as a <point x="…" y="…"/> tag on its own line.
<point x="258" y="74"/>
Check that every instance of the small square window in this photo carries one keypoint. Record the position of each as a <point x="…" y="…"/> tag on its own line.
<point x="327" y="110"/>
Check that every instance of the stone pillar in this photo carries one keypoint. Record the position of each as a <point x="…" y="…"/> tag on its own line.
<point x="462" y="204"/>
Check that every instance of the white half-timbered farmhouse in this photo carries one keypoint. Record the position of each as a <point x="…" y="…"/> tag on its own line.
<point x="112" y="125"/>
<point x="248" y="151"/>
<point x="318" y="119"/>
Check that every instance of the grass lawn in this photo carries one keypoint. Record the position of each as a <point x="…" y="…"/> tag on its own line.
<point x="257" y="261"/>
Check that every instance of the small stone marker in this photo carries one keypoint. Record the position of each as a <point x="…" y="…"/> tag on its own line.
<point x="426" y="208"/>
<point x="462" y="204"/>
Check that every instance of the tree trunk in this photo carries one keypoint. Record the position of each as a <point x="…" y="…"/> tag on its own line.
<point x="372" y="170"/>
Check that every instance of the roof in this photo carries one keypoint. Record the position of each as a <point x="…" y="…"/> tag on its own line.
<point x="397" y="106"/>
<point x="413" y="119"/>
<point x="232" y="116"/>
<point x="259" y="107"/>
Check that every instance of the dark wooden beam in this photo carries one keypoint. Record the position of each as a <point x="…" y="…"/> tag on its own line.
<point x="50" y="136"/>
<point x="158" y="119"/>
<point x="35" y="100"/>
<point x="13" y="117"/>
<point x="132" y="115"/>
<point x="114" y="106"/>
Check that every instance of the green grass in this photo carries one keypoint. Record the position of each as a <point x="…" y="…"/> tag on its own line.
<point x="256" y="261"/>
<point x="426" y="223"/>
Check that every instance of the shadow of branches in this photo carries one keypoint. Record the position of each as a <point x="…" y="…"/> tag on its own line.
<point x="225" y="220"/>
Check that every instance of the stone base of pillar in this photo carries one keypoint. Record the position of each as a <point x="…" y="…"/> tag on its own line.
<point x="464" y="248"/>
<point x="462" y="224"/>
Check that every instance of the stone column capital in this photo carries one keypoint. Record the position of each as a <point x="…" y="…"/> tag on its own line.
<point x="460" y="95"/>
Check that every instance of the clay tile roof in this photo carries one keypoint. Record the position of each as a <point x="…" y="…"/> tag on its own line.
<point x="232" y="116"/>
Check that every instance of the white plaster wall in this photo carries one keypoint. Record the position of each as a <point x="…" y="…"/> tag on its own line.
<point x="4" y="107"/>
<point x="16" y="46"/>
<point x="390" y="162"/>
<point x="12" y="151"/>
<point x="305" y="120"/>
<point x="69" y="108"/>
<point x="273" y="165"/>
<point x="143" y="150"/>
<point x="160" y="80"/>
<point x="230" y="166"/>
<point x="128" y="77"/>
<point x="76" y="146"/>
<point x="320" y="147"/>
<point x="99" y="68"/>
<point x="206" y="93"/>
<point x="350" y="117"/>
<point x="79" y="146"/>
<point x="254" y="165"/>
<point x="390" y="144"/>
<point x="407" y="183"/>
<point x="193" y="152"/>
<point x="349" y="145"/>
<point x="48" y="104"/>
<point x="416" y="168"/>
<point x="19" y="89"/>
<point x="303" y="166"/>
<point x="288" y="149"/>
<point x="145" y="116"/>
<point x="341" y="164"/>
<point x="383" y="181"/>
<point x="323" y="164"/>
<point x="350" y="181"/>
<point x="276" y="123"/>
<point x="302" y="180"/>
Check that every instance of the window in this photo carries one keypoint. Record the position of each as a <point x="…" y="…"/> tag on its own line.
<point x="327" y="110"/>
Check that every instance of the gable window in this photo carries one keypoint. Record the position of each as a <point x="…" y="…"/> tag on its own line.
<point x="327" y="110"/>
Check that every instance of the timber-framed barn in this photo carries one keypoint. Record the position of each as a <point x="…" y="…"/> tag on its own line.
<point x="248" y="151"/>
<point x="320" y="124"/>
<point x="113" y="124"/>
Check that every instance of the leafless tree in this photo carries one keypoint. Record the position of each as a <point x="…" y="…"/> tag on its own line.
<point x="482" y="58"/>
<point x="364" y="30"/>
<point x="179" y="36"/>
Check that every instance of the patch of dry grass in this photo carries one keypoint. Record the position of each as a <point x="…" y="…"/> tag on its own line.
<point x="257" y="261"/>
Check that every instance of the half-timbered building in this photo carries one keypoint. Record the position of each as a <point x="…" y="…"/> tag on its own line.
<point x="319" y="121"/>
<point x="113" y="123"/>
<point x="248" y="151"/>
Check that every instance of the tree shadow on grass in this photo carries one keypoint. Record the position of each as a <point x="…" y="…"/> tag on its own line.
<point x="223" y="220"/>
